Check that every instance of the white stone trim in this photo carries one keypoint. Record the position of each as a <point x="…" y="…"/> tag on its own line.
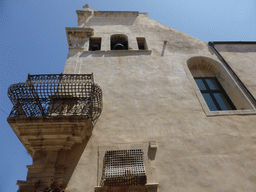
<point x="204" y="105"/>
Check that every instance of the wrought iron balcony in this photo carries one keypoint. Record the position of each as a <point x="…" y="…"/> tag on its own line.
<point x="52" y="113"/>
<point x="56" y="95"/>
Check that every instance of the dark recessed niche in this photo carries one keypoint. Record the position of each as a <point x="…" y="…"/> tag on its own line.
<point x="141" y="43"/>
<point x="95" y="44"/>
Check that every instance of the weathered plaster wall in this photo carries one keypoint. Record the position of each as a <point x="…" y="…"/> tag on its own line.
<point x="147" y="97"/>
<point x="242" y="60"/>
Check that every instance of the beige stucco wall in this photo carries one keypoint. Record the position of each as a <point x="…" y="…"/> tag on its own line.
<point x="148" y="95"/>
<point x="242" y="60"/>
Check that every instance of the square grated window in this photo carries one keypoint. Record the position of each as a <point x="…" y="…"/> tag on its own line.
<point x="124" y="168"/>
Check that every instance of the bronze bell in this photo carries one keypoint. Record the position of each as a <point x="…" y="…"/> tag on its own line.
<point x="95" y="47"/>
<point x="119" y="46"/>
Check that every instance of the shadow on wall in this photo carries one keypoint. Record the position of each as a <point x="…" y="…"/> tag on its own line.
<point x="71" y="160"/>
<point x="164" y="45"/>
<point x="152" y="153"/>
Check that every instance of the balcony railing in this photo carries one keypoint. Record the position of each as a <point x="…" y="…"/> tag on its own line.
<point x="56" y="95"/>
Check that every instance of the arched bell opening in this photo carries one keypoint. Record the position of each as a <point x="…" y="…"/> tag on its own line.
<point x="119" y="42"/>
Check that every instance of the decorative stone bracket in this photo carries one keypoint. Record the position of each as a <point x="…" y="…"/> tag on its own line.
<point x="77" y="36"/>
<point x="48" y="140"/>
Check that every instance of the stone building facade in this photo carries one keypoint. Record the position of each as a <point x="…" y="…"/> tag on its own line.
<point x="178" y="114"/>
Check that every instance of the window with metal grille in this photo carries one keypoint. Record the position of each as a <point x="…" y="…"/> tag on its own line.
<point x="123" y="168"/>
<point x="213" y="93"/>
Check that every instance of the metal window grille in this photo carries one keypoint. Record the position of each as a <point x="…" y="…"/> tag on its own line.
<point x="124" y="168"/>
<point x="56" y="95"/>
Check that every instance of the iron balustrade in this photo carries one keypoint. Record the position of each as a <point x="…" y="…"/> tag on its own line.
<point x="56" y="95"/>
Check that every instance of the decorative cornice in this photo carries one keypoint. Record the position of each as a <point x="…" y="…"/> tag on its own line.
<point x="116" y="13"/>
<point x="76" y="32"/>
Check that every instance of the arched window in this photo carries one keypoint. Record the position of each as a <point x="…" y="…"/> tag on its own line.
<point x="218" y="89"/>
<point x="214" y="94"/>
<point x="119" y="42"/>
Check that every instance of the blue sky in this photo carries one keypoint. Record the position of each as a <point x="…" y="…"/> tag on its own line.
<point x="33" y="40"/>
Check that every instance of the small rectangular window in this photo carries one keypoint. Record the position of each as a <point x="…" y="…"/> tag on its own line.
<point x="124" y="168"/>
<point x="94" y="44"/>
<point x="141" y="43"/>
<point x="214" y="95"/>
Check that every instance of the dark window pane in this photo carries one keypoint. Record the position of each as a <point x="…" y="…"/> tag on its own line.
<point x="213" y="93"/>
<point x="209" y="101"/>
<point x="222" y="101"/>
<point x="200" y="84"/>
<point x="212" y="84"/>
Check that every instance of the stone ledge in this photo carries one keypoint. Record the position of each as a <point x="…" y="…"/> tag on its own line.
<point x="78" y="32"/>
<point x="152" y="187"/>
<point x="120" y="52"/>
<point x="116" y="13"/>
<point x="149" y="187"/>
<point x="230" y="112"/>
<point x="54" y="119"/>
<point x="82" y="12"/>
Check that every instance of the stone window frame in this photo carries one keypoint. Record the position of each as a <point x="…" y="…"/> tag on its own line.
<point x="222" y="73"/>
